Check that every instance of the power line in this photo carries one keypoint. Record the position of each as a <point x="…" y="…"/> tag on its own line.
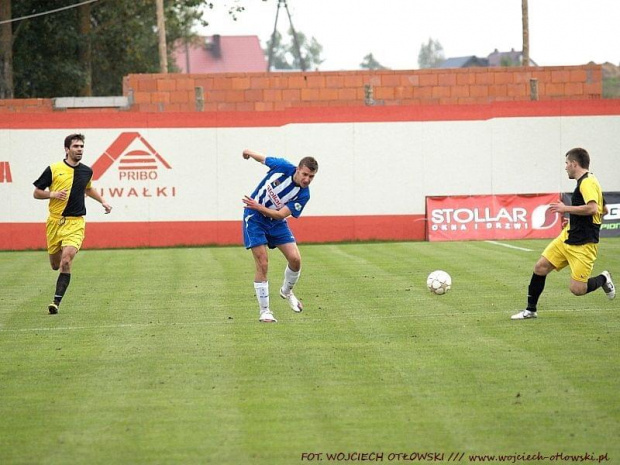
<point x="47" y="12"/>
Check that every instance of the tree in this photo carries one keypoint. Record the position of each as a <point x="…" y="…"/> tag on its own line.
<point x="6" y="51"/>
<point x="430" y="55"/>
<point x="89" y="49"/>
<point x="370" y="62"/>
<point x="285" y="55"/>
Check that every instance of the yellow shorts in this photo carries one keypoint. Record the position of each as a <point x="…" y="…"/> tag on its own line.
<point x="580" y="258"/>
<point x="64" y="231"/>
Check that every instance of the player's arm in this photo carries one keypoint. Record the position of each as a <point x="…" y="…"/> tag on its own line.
<point x="588" y="209"/>
<point x="268" y="212"/>
<point x="259" y="157"/>
<point x="93" y="194"/>
<point x="44" y="194"/>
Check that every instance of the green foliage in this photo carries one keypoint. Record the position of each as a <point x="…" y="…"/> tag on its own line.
<point x="431" y="54"/>
<point x="285" y="55"/>
<point x="370" y="62"/>
<point x="157" y="356"/>
<point x="123" y="39"/>
<point x="611" y="87"/>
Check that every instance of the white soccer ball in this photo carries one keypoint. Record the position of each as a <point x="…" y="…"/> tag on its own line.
<point x="439" y="282"/>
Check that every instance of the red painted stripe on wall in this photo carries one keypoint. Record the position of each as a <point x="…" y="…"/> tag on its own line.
<point x="312" y="115"/>
<point x="24" y="236"/>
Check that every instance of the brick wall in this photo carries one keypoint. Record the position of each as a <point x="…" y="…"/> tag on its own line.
<point x="278" y="91"/>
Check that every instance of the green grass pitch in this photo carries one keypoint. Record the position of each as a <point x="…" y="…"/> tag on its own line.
<point x="157" y="356"/>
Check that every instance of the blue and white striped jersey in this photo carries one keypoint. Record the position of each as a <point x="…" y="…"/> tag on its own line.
<point x="277" y="189"/>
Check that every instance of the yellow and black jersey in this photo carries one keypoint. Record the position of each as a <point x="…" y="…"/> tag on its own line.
<point x="585" y="229"/>
<point x="75" y="180"/>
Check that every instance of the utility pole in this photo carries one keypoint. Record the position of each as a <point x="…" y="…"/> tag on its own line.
<point x="6" y="51"/>
<point x="161" y="33"/>
<point x="526" y="33"/>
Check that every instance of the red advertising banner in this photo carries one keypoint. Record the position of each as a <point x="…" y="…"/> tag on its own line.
<point x="491" y="217"/>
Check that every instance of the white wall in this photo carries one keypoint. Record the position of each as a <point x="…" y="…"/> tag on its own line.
<point x="365" y="168"/>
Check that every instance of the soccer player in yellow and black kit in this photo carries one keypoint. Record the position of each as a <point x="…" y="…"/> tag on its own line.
<point x="68" y="182"/>
<point x="577" y="244"/>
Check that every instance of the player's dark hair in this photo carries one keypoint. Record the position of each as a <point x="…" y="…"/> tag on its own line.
<point x="71" y="137"/>
<point x="310" y="163"/>
<point x="579" y="155"/>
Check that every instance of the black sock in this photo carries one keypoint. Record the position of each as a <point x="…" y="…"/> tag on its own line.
<point x="537" y="284"/>
<point x="61" y="286"/>
<point x="595" y="283"/>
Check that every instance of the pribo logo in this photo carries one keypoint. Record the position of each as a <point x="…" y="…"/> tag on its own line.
<point x="140" y="163"/>
<point x="5" y="172"/>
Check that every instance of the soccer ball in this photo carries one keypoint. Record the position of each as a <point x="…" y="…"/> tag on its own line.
<point x="439" y="282"/>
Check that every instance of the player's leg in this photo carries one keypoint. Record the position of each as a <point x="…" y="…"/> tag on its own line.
<point x="292" y="273"/>
<point x="261" y="283"/>
<point x="581" y="261"/>
<point x="536" y="287"/>
<point x="64" y="277"/>
<point x="71" y="235"/>
<point x="255" y="240"/>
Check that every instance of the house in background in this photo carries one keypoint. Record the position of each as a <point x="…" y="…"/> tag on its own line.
<point x="495" y="59"/>
<point x="471" y="61"/>
<point x="220" y="54"/>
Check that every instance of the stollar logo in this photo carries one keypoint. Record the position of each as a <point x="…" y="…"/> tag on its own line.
<point x="137" y="167"/>
<point x="543" y="218"/>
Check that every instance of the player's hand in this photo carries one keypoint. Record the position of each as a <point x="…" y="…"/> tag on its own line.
<point x="246" y="154"/>
<point x="564" y="222"/>
<point x="60" y="195"/>
<point x="558" y="207"/>
<point x="250" y="203"/>
<point x="107" y="207"/>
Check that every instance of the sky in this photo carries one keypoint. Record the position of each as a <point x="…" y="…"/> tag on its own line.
<point x="562" y="32"/>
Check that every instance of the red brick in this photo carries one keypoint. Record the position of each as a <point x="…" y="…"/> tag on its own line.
<point x="353" y="80"/>
<point x="181" y="96"/>
<point x="554" y="89"/>
<point x="240" y="83"/>
<point x="428" y="80"/>
<point x="263" y="106"/>
<point x="142" y="97"/>
<point x="347" y="94"/>
<point x="460" y="91"/>
<point x="579" y="75"/>
<point x="498" y="90"/>
<point x="409" y="80"/>
<point x="446" y="79"/>
<point x="478" y="91"/>
<point x="315" y="81"/>
<point x="517" y="90"/>
<point x="235" y="96"/>
<point x="254" y="95"/>
<point x="309" y="95"/>
<point x="573" y="89"/>
<point x="390" y="80"/>
<point x="328" y="94"/>
<point x="296" y="81"/>
<point x="423" y="92"/>
<point x="222" y="83"/>
<point x="166" y="85"/>
<point x="503" y="77"/>
<point x="146" y="85"/>
<point x="440" y="92"/>
<point x="272" y="95"/>
<point x="336" y="82"/>
<point x="291" y="95"/>
<point x="560" y="76"/>
<point x="160" y="97"/>
<point x="384" y="93"/>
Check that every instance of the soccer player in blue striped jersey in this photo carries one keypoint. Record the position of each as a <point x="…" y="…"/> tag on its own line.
<point x="283" y="192"/>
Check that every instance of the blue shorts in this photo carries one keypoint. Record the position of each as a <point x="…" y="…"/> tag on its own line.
<point x="260" y="230"/>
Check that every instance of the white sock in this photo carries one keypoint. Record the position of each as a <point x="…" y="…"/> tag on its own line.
<point x="290" y="279"/>
<point x="262" y="294"/>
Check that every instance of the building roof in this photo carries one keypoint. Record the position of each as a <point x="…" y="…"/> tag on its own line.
<point x="220" y="54"/>
<point x="464" y="62"/>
